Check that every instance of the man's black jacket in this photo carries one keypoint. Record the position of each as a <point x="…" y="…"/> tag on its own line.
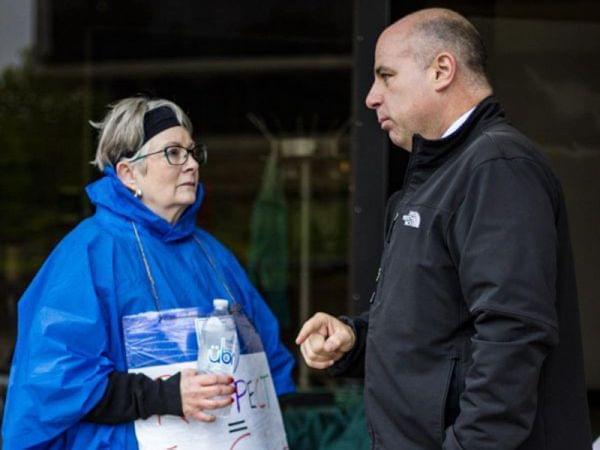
<point x="472" y="340"/>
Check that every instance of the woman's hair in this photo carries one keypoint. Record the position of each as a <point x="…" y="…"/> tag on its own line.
<point x="121" y="133"/>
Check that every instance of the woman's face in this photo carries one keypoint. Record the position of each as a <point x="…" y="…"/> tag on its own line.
<point x="168" y="189"/>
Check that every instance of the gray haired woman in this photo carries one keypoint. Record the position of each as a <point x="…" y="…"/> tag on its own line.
<point x="140" y="252"/>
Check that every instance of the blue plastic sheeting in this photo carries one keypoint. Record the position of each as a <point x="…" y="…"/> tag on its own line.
<point x="169" y="337"/>
<point x="159" y="338"/>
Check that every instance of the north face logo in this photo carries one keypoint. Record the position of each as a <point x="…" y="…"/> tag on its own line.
<point x="412" y="219"/>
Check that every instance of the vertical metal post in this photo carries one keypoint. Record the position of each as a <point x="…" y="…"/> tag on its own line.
<point x="369" y="157"/>
<point x="305" y="194"/>
<point x="12" y="271"/>
<point x="86" y="144"/>
<point x="44" y="41"/>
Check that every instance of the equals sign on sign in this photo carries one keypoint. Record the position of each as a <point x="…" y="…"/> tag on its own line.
<point x="234" y="427"/>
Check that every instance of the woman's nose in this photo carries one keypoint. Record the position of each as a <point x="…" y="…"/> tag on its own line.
<point x="191" y="163"/>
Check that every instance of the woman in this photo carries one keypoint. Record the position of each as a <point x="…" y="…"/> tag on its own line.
<point x="140" y="252"/>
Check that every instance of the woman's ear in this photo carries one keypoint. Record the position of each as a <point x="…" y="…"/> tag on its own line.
<point x="126" y="175"/>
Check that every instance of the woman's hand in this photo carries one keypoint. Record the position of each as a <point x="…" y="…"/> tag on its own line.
<point x="198" y="392"/>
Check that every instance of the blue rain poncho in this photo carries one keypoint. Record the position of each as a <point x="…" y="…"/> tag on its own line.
<point x="70" y="335"/>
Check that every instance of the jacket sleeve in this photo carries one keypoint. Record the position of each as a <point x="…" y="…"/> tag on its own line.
<point x="352" y="364"/>
<point x="503" y="238"/>
<point x="132" y="396"/>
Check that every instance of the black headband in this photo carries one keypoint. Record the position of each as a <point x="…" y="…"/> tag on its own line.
<point x="158" y="120"/>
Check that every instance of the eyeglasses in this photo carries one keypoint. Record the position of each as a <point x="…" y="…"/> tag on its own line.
<point x="178" y="156"/>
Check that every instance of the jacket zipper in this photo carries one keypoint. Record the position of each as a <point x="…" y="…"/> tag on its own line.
<point x="391" y="230"/>
<point x="407" y="177"/>
<point x="409" y="170"/>
<point x="372" y="299"/>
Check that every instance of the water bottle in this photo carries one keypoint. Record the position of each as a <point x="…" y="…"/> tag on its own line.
<point x="217" y="345"/>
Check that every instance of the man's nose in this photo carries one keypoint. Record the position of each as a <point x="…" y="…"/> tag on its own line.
<point x="373" y="99"/>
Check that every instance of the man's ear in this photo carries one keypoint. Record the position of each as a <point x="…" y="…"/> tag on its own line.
<point x="443" y="70"/>
<point x="125" y="173"/>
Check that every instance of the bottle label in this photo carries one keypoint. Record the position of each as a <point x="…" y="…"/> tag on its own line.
<point x="220" y="354"/>
<point x="217" y="345"/>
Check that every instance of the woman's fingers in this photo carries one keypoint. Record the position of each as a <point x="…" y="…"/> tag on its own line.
<point x="196" y="397"/>
<point x="201" y="392"/>
<point x="202" y="417"/>
<point x="199" y="408"/>
<point x="209" y="379"/>
<point x="216" y="390"/>
<point x="215" y="403"/>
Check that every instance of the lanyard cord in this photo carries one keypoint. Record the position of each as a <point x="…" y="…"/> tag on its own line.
<point x="147" y="266"/>
<point x="151" y="278"/>
<point x="216" y="270"/>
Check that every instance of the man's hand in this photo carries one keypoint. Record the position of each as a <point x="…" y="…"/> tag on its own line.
<point x="200" y="392"/>
<point x="324" y="339"/>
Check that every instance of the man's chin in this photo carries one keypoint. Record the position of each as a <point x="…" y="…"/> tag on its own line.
<point x="400" y="142"/>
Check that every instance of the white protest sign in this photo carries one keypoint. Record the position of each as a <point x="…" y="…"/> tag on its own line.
<point x="254" y="422"/>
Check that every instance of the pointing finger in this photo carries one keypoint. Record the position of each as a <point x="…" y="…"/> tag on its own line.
<point x="310" y="326"/>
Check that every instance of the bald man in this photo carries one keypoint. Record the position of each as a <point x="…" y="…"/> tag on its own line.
<point x="472" y="339"/>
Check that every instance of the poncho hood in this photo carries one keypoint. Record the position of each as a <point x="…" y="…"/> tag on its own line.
<point x="109" y="193"/>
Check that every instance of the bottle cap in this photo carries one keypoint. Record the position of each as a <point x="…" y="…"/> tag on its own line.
<point x="220" y="303"/>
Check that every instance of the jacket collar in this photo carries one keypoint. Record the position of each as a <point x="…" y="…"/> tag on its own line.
<point x="110" y="195"/>
<point x="433" y="153"/>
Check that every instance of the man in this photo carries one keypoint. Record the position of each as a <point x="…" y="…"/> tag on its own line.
<point x="472" y="340"/>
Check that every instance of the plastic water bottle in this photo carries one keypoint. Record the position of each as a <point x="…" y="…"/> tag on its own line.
<point x="217" y="345"/>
